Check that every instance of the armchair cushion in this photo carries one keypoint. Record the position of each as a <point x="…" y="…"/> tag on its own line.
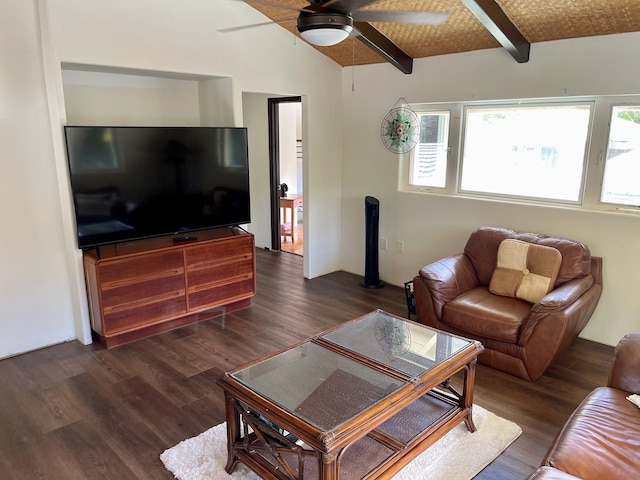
<point x="525" y="270"/>
<point x="480" y="313"/>
<point x="600" y="439"/>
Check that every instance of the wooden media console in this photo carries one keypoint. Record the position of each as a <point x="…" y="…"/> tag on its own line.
<point x="141" y="288"/>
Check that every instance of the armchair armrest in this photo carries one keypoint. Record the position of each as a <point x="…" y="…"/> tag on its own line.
<point x="625" y="371"/>
<point x="554" y="301"/>
<point x="596" y="269"/>
<point x="563" y="296"/>
<point x="448" y="278"/>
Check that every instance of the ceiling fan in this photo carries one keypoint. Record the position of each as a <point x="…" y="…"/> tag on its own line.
<point x="329" y="22"/>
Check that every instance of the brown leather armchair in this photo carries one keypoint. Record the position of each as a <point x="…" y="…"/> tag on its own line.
<point x="600" y="439"/>
<point x="520" y="337"/>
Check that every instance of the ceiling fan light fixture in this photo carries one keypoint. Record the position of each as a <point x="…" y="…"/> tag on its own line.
<point x="324" y="29"/>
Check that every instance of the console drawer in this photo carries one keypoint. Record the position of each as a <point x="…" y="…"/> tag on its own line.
<point x="220" y="272"/>
<point x="127" y="294"/>
<point x="198" y="256"/>
<point x="140" y="268"/>
<point x="124" y="318"/>
<point x="221" y="293"/>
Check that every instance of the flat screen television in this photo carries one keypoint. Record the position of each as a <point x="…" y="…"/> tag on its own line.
<point x="130" y="183"/>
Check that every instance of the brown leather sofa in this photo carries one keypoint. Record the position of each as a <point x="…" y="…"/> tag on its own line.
<point x="601" y="439"/>
<point x="520" y="337"/>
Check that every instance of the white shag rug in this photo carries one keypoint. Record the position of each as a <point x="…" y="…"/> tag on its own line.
<point x="459" y="455"/>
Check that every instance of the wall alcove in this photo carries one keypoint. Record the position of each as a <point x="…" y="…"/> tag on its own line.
<point x="97" y="95"/>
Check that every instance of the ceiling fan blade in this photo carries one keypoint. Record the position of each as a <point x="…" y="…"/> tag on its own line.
<point x="347" y="6"/>
<point x="393" y="16"/>
<point x="244" y="27"/>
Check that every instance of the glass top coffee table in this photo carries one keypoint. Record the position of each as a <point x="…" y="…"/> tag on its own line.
<point x="358" y="401"/>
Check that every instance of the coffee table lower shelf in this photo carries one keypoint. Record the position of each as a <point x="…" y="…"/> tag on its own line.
<point x="380" y="454"/>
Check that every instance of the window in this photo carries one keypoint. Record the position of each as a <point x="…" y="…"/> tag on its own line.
<point x="429" y="157"/>
<point x="576" y="152"/>
<point x="622" y="164"/>
<point x="531" y="151"/>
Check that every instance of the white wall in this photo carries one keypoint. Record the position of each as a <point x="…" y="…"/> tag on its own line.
<point x="41" y="297"/>
<point x="107" y="98"/>
<point x="434" y="226"/>
<point x="35" y="286"/>
<point x="254" y="106"/>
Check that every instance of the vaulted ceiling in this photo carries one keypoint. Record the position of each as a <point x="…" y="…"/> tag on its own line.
<point x="472" y="25"/>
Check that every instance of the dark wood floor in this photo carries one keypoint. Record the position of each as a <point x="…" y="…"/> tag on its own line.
<point x="83" y="412"/>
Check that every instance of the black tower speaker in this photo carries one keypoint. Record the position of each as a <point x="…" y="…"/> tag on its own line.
<point x="372" y="217"/>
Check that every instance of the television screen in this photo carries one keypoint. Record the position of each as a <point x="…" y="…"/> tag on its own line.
<point x="135" y="182"/>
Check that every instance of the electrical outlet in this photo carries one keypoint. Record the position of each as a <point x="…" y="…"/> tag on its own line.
<point x="384" y="244"/>
<point x="400" y="246"/>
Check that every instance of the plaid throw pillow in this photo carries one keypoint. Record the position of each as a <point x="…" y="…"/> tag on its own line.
<point x="525" y="270"/>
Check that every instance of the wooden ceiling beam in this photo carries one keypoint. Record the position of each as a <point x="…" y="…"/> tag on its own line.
<point x="376" y="41"/>
<point x="501" y="27"/>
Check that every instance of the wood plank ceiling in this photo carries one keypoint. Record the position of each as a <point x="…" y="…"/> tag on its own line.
<point x="469" y="27"/>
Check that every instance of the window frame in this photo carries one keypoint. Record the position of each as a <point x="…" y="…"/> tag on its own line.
<point x="593" y="163"/>
<point x="620" y="206"/>
<point x="412" y="156"/>
<point x="406" y="163"/>
<point x="525" y="198"/>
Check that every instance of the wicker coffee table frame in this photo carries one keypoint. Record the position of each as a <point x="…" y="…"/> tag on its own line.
<point x="375" y="443"/>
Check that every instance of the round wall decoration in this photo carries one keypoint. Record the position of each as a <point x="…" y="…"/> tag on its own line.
<point x="400" y="129"/>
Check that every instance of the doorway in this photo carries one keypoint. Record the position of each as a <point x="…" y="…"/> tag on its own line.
<point x="285" y="171"/>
